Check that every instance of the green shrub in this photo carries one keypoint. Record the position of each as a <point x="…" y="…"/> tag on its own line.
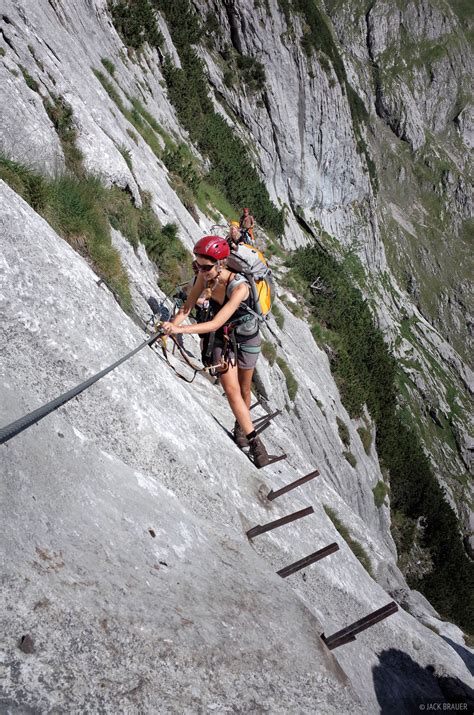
<point x="164" y="247"/>
<point x="125" y="152"/>
<point x="278" y="315"/>
<point x="122" y="215"/>
<point x="76" y="213"/>
<point x="252" y="72"/>
<point x="135" y="21"/>
<point x="351" y="458"/>
<point x="366" y="437"/>
<point x="109" y="65"/>
<point x="2" y="52"/>
<point x="26" y="182"/>
<point x="176" y="161"/>
<point x="110" y="89"/>
<point x="269" y="351"/>
<point x="142" y="226"/>
<point x="32" y="83"/>
<point x="343" y="430"/>
<point x="356" y="548"/>
<point x="273" y="249"/>
<point x="380" y="491"/>
<point x="138" y="107"/>
<point x="229" y="77"/>
<point x="291" y="382"/>
<point x="61" y="115"/>
<point x="33" y="54"/>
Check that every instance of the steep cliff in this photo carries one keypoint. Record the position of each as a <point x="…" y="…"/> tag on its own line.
<point x="126" y="557"/>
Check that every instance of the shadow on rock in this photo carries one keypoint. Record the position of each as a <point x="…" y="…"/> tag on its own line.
<point x="463" y="653"/>
<point x="402" y="685"/>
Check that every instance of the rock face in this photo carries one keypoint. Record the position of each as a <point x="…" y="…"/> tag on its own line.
<point x="411" y="64"/>
<point x="128" y="582"/>
<point x="123" y="527"/>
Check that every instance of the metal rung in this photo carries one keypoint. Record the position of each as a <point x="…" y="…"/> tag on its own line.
<point x="273" y="495"/>
<point x="308" y="560"/>
<point x="346" y="635"/>
<point x="265" y="418"/>
<point x="261" y="529"/>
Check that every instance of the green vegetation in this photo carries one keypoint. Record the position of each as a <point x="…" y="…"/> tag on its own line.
<point x="32" y="83"/>
<point x="366" y="373"/>
<point x="278" y="315"/>
<point x="183" y="176"/>
<point x="343" y="430"/>
<point x="74" y="208"/>
<point x="2" y="52"/>
<point x="291" y="382"/>
<point x="351" y="458"/>
<point x="109" y="65"/>
<point x="60" y="113"/>
<point x="208" y="196"/>
<point x="380" y="491"/>
<point x="356" y="548"/>
<point x="273" y="249"/>
<point x="252" y="72"/>
<point x="33" y="54"/>
<point x="292" y="306"/>
<point x="110" y="89"/>
<point x="366" y="437"/>
<point x="135" y="21"/>
<point x="231" y="170"/>
<point x="125" y="152"/>
<point x="142" y="226"/>
<point x="463" y="9"/>
<point x="269" y="351"/>
<point x="177" y="162"/>
<point x="26" y="182"/>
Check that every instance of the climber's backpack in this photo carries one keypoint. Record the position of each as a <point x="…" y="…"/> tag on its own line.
<point x="251" y="263"/>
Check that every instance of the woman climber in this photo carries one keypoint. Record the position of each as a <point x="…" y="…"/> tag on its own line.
<point x="232" y="340"/>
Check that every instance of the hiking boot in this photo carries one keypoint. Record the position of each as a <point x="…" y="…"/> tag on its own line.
<point x="258" y="453"/>
<point x="239" y="436"/>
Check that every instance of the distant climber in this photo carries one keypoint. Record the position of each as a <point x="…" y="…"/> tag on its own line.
<point x="247" y="222"/>
<point x="234" y="236"/>
<point x="231" y="337"/>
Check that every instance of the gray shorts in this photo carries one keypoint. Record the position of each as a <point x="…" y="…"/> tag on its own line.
<point x="246" y="359"/>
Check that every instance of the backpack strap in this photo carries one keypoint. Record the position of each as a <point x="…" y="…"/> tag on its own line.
<point x="238" y="279"/>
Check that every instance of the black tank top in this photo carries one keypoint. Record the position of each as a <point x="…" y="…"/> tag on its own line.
<point x="241" y="310"/>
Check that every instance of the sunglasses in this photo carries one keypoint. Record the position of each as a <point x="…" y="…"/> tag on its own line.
<point x="204" y="267"/>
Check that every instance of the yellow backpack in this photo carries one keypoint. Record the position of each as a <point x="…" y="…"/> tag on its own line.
<point x="252" y="264"/>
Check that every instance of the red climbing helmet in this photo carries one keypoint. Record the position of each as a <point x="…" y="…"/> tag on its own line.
<point x="212" y="247"/>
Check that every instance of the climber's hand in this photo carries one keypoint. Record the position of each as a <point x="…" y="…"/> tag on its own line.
<point x="170" y="328"/>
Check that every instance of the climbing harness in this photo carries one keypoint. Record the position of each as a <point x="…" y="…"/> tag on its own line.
<point x="154" y="325"/>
